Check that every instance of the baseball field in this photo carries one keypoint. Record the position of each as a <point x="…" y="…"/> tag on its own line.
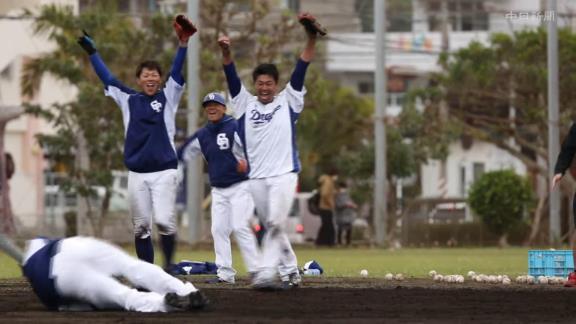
<point x="342" y="295"/>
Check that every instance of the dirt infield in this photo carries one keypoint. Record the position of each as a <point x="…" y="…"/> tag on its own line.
<point x="330" y="300"/>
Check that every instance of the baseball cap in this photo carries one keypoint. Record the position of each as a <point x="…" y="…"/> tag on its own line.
<point x="213" y="97"/>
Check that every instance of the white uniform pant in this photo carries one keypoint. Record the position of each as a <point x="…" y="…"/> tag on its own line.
<point x="153" y="194"/>
<point x="84" y="270"/>
<point x="232" y="208"/>
<point x="273" y="198"/>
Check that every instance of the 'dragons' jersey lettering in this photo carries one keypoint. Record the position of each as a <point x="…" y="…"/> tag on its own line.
<point x="268" y="131"/>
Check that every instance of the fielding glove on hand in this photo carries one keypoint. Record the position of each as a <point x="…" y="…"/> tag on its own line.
<point x="87" y="43"/>
<point x="184" y="28"/>
<point x="312" y="26"/>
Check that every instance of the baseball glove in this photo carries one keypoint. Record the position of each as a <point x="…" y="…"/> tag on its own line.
<point x="311" y="24"/>
<point x="87" y="43"/>
<point x="184" y="27"/>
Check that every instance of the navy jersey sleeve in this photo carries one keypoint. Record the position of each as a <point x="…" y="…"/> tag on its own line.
<point x="105" y="76"/>
<point x="298" y="75"/>
<point x="566" y="152"/>
<point x="234" y="83"/>
<point x="176" y="70"/>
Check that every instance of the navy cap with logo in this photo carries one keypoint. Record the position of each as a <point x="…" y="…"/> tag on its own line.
<point x="213" y="97"/>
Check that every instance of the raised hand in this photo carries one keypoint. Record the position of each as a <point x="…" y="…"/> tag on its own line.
<point x="87" y="43"/>
<point x="184" y="28"/>
<point x="311" y="24"/>
<point x="224" y="43"/>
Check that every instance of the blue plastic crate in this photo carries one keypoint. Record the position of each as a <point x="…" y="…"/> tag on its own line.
<point x="550" y="263"/>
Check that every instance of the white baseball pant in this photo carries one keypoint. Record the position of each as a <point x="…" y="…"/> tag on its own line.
<point x="150" y="194"/>
<point x="84" y="269"/>
<point x="273" y="198"/>
<point x="232" y="208"/>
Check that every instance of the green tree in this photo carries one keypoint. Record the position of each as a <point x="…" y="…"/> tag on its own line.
<point x="89" y="130"/>
<point x="498" y="93"/>
<point x="500" y="198"/>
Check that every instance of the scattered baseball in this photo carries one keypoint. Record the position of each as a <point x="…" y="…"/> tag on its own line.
<point x="389" y="276"/>
<point x="505" y="281"/>
<point x="471" y="274"/>
<point x="432" y="273"/>
<point x="542" y="280"/>
<point x="364" y="273"/>
<point x="399" y="277"/>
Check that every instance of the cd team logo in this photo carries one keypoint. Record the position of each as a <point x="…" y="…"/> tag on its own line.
<point x="156" y="105"/>
<point x="258" y="118"/>
<point x="222" y="141"/>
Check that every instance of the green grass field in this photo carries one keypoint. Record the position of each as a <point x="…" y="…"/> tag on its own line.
<point x="340" y="262"/>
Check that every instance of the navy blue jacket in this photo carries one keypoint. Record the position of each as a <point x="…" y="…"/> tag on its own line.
<point x="220" y="145"/>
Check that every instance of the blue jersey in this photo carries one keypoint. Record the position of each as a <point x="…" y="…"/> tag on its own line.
<point x="221" y="147"/>
<point x="37" y="270"/>
<point x="149" y="121"/>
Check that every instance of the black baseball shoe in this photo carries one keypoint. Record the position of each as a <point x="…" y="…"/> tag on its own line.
<point x="193" y="301"/>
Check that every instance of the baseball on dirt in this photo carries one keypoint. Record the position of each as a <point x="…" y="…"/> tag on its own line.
<point x="364" y="273"/>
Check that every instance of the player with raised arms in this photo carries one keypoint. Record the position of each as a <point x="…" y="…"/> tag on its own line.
<point x="267" y="128"/>
<point x="149" y="151"/>
<point x="232" y="206"/>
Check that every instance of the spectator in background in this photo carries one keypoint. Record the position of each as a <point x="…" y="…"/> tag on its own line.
<point x="345" y="212"/>
<point x="7" y="217"/>
<point x="10" y="166"/>
<point x="327" y="190"/>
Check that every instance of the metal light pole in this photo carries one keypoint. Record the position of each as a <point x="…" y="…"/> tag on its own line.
<point x="380" y="185"/>
<point x="194" y="181"/>
<point x="553" y="133"/>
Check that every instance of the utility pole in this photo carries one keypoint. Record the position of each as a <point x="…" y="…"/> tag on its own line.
<point x="194" y="180"/>
<point x="553" y="133"/>
<point x="445" y="47"/>
<point x="381" y="89"/>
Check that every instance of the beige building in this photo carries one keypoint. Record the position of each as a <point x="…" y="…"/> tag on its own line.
<point x="27" y="185"/>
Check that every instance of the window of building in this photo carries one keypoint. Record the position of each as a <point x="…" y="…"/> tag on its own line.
<point x="366" y="88"/>
<point x="395" y="98"/>
<point x="51" y="200"/>
<point x="70" y="199"/>
<point x="478" y="170"/>
<point x="463" y="15"/>
<point x="462" y="181"/>
<point x="398" y="15"/>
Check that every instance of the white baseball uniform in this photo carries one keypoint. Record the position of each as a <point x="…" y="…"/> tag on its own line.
<point x="84" y="270"/>
<point x="270" y="140"/>
<point x="232" y="205"/>
<point x="149" y="151"/>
